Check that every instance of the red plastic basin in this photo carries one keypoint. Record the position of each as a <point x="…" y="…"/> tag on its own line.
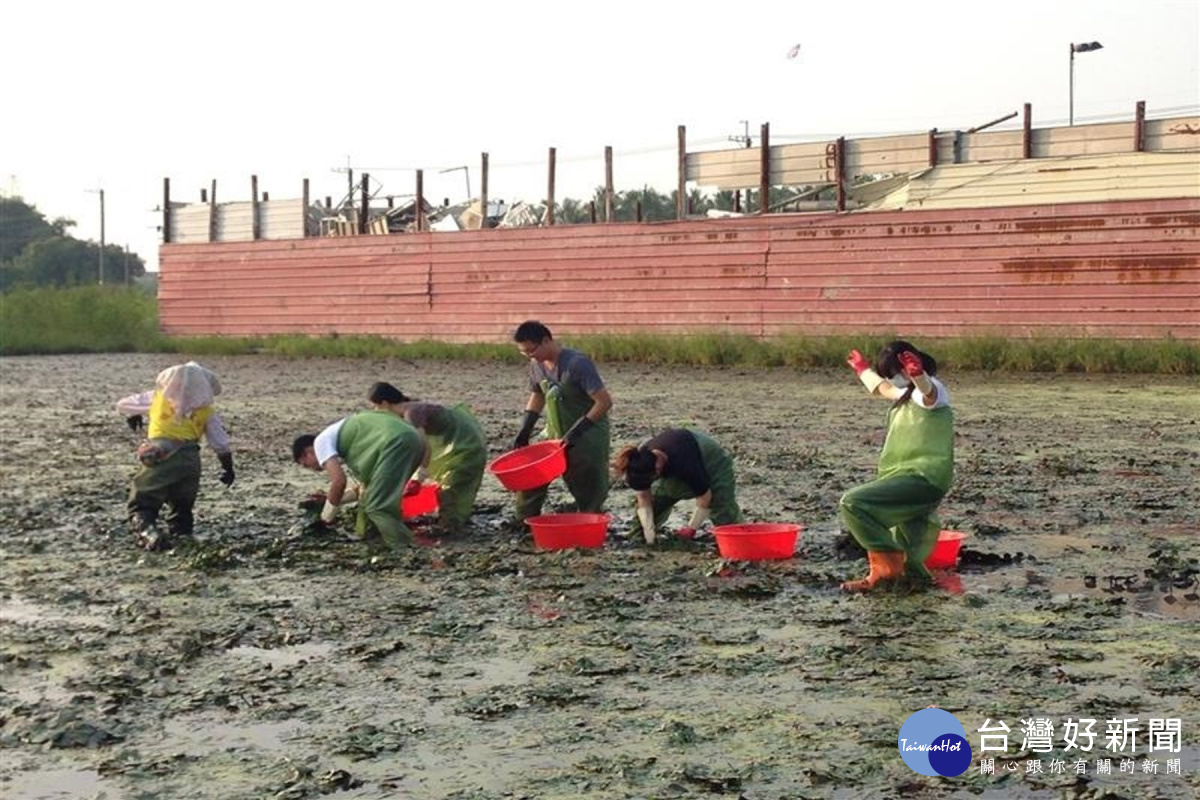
<point x="945" y="552"/>
<point x="424" y="501"/>
<point x="757" y="541"/>
<point x="530" y="467"/>
<point x="562" y="531"/>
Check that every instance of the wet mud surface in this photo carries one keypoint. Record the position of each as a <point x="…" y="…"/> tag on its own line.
<point x="262" y="661"/>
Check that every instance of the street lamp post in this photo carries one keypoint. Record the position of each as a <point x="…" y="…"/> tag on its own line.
<point x="1081" y="47"/>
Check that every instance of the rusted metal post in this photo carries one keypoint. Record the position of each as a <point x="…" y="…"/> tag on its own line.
<point x="304" y="200"/>
<point x="764" y="168"/>
<point x="420" y="208"/>
<point x="212" y="212"/>
<point x="592" y="210"/>
<point x="364" y="211"/>
<point x="483" y="192"/>
<point x="737" y="201"/>
<point x="203" y="195"/>
<point x="608" y="184"/>
<point x="1139" y="127"/>
<point x="1027" y="133"/>
<point x="681" y="189"/>
<point x="839" y="158"/>
<point x="166" y="211"/>
<point x="552" y="159"/>
<point x="255" y="230"/>
<point x="933" y="155"/>
<point x="637" y="210"/>
<point x="265" y="196"/>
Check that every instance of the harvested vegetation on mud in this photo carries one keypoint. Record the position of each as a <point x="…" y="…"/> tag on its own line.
<point x="265" y="661"/>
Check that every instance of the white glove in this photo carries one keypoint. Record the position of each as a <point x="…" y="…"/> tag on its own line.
<point x="870" y="379"/>
<point x="328" y="513"/>
<point x="699" y="517"/>
<point x="646" y="517"/>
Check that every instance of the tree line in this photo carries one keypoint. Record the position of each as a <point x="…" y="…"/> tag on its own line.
<point x="659" y="206"/>
<point x="36" y="252"/>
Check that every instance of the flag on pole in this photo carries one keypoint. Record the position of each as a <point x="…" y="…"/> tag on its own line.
<point x="795" y="51"/>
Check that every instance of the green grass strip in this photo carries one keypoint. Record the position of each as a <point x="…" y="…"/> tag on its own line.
<point x="97" y="319"/>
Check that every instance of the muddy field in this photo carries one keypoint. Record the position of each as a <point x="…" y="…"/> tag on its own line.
<point x="260" y="663"/>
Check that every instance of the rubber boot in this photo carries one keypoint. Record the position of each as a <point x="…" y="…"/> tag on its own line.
<point x="886" y="565"/>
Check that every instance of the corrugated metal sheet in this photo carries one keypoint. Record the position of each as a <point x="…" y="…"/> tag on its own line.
<point x="281" y="219"/>
<point x="189" y="223"/>
<point x="813" y="162"/>
<point x="1180" y="133"/>
<point x="1128" y="176"/>
<point x="235" y="222"/>
<point x="277" y="219"/>
<point x="1128" y="269"/>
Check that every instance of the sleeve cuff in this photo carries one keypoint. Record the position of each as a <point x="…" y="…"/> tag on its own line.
<point x="870" y="379"/>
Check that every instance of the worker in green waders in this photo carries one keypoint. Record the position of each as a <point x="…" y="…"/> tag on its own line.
<point x="180" y="413"/>
<point x="894" y="516"/>
<point x="382" y="451"/>
<point x="679" y="464"/>
<point x="457" y="451"/>
<point x="566" y="385"/>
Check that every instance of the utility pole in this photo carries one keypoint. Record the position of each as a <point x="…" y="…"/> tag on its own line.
<point x="101" y="272"/>
<point x="349" y="181"/>
<point x="745" y="137"/>
<point x="1082" y="47"/>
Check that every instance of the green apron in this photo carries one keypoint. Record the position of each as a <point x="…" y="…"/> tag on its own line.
<point x="175" y="482"/>
<point x="383" y="451"/>
<point x="587" y="460"/>
<point x="666" y="492"/>
<point x="457" y="457"/>
<point x="896" y="511"/>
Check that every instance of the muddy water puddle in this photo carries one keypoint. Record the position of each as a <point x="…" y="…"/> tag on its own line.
<point x="18" y="611"/>
<point x="59" y="784"/>
<point x="285" y="656"/>
<point x="1157" y="600"/>
<point x="200" y="734"/>
<point x="263" y="665"/>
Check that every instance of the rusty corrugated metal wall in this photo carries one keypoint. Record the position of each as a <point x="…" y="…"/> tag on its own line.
<point x="1118" y="269"/>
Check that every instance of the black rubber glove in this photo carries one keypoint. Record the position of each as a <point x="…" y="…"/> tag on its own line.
<point x="226" y="460"/>
<point x="576" y="431"/>
<point x="134" y="422"/>
<point x="522" y="440"/>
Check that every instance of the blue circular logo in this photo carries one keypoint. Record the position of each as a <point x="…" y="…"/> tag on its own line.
<point x="934" y="742"/>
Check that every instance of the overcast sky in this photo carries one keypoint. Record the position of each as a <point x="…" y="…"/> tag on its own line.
<point x="120" y="94"/>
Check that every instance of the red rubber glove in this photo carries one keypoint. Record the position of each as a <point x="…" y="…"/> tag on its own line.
<point x="412" y="487"/>
<point x="911" y="363"/>
<point x="686" y="533"/>
<point x="857" y="362"/>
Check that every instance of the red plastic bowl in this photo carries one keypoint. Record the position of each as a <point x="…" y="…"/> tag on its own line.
<point x="757" y="541"/>
<point x="562" y="531"/>
<point x="424" y="501"/>
<point x="532" y="466"/>
<point x="945" y="552"/>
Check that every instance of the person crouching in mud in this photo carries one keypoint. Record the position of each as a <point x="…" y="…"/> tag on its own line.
<point x="383" y="452"/>
<point x="457" y="451"/>
<point x="681" y="464"/>
<point x="894" y="516"/>
<point x="180" y="410"/>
